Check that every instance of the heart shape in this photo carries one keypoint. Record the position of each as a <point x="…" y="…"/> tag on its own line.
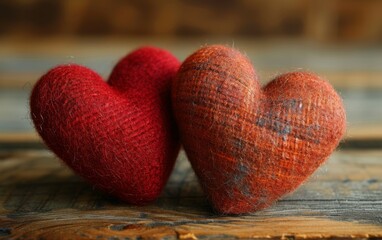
<point x="119" y="135"/>
<point x="250" y="146"/>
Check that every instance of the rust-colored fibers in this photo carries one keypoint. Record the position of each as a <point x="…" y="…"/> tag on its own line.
<point x="249" y="145"/>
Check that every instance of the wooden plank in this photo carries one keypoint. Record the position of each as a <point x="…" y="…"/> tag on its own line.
<point x="348" y="66"/>
<point x="350" y="79"/>
<point x="19" y="137"/>
<point x="40" y="198"/>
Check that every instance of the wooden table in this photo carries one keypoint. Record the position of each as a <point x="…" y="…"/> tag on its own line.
<point x="40" y="198"/>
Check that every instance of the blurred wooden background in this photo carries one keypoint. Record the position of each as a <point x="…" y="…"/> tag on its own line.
<point x="338" y="39"/>
<point x="328" y="20"/>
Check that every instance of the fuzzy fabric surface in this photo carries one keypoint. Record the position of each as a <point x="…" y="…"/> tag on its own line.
<point x="119" y="135"/>
<point x="248" y="145"/>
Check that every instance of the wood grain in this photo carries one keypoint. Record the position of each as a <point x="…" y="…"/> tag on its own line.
<point x="41" y="199"/>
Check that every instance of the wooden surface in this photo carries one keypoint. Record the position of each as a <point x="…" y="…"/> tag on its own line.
<point x="42" y="199"/>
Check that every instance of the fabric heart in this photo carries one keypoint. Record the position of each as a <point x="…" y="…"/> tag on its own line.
<point x="118" y="135"/>
<point x="250" y="146"/>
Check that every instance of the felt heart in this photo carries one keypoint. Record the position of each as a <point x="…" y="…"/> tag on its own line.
<point x="118" y="135"/>
<point x="250" y="146"/>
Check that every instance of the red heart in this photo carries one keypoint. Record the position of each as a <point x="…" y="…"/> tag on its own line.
<point x="118" y="135"/>
<point x="250" y="146"/>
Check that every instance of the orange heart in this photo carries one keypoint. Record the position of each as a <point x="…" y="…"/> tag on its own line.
<point x="250" y="146"/>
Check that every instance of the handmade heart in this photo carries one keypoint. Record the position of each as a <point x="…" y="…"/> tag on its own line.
<point x="250" y="146"/>
<point x="119" y="135"/>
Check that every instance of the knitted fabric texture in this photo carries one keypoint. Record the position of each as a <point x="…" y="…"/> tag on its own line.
<point x="250" y="146"/>
<point x="119" y="135"/>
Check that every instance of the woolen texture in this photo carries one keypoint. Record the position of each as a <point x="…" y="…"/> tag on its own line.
<point x="119" y="135"/>
<point x="250" y="146"/>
